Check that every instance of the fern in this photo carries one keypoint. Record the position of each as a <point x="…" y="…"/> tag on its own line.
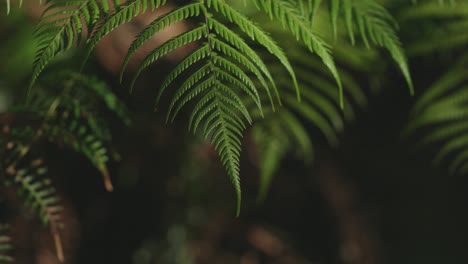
<point x="125" y="13"/>
<point x="62" y="27"/>
<point x="222" y="68"/>
<point x="439" y="27"/>
<point x="283" y="131"/>
<point x="374" y="24"/>
<point x="219" y="77"/>
<point x="76" y="124"/>
<point x="65" y="114"/>
<point x="292" y="17"/>
<point x="5" y="245"/>
<point x="278" y="134"/>
<point x="443" y="107"/>
<point x="28" y="174"/>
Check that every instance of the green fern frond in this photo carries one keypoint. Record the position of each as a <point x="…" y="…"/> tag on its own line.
<point x="277" y="135"/>
<point x="69" y="116"/>
<point x="177" y="15"/>
<point x="191" y="36"/>
<point x="29" y="175"/>
<point x="292" y="18"/>
<point x="377" y="25"/>
<point x="5" y="245"/>
<point x="284" y="131"/>
<point x="443" y="109"/>
<point x="223" y="65"/>
<point x="61" y="28"/>
<point x="439" y="27"/>
<point x="71" y="127"/>
<point x="374" y="24"/>
<point x="125" y="13"/>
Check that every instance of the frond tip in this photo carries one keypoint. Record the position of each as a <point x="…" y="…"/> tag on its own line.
<point x="214" y="75"/>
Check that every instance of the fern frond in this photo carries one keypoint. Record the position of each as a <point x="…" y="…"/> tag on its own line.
<point x="222" y="65"/>
<point x="70" y="116"/>
<point x="68" y="127"/>
<point x="278" y="134"/>
<point x="376" y="24"/>
<point x="284" y="131"/>
<point x="5" y="245"/>
<point x="292" y="18"/>
<point x="126" y="12"/>
<point x="177" y="15"/>
<point x="439" y="27"/>
<point x="443" y="108"/>
<point x="61" y="28"/>
<point x="34" y="186"/>
<point x="182" y="40"/>
<point x="255" y="33"/>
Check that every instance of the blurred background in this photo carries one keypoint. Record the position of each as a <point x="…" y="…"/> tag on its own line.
<point x="373" y="199"/>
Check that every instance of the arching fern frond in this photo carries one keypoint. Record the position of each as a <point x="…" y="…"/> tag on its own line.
<point x="374" y="24"/>
<point x="28" y="174"/>
<point x="222" y="63"/>
<point x="284" y="131"/>
<point x="440" y="114"/>
<point x="67" y="113"/>
<point x="125" y="13"/>
<point x="278" y="134"/>
<point x="62" y="26"/>
<point x="294" y="18"/>
<point x="439" y="27"/>
<point x="69" y="116"/>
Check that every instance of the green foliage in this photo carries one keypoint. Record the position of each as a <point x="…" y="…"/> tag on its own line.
<point x="374" y="24"/>
<point x="220" y="70"/>
<point x="248" y="66"/>
<point x="439" y="27"/>
<point x="441" y="112"/>
<point x="284" y="131"/>
<point x="443" y="109"/>
<point x="5" y="245"/>
<point x="62" y="27"/>
<point x="71" y="118"/>
<point x="67" y="113"/>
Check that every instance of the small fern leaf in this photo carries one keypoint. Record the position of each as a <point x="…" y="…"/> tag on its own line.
<point x="334" y="11"/>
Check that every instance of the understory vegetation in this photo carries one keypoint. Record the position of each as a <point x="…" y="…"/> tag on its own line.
<point x="124" y="121"/>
